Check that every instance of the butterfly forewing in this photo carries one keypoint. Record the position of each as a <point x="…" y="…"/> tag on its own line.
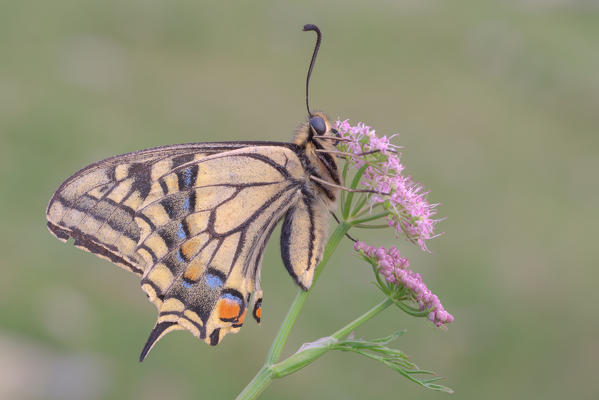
<point x="96" y="205"/>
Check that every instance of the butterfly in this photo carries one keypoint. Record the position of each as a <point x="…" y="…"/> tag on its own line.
<point x="193" y="220"/>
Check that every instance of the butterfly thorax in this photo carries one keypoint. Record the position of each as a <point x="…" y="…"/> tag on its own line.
<point x="319" y="159"/>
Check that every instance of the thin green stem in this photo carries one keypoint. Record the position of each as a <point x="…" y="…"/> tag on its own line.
<point x="347" y="329"/>
<point x="364" y="226"/>
<point x="350" y="195"/>
<point x="367" y="210"/>
<point x="344" y="212"/>
<point x="359" y="205"/>
<point x="279" y="342"/>
<point x="411" y="310"/>
<point x="370" y="218"/>
<point x="257" y="385"/>
<point x="342" y="202"/>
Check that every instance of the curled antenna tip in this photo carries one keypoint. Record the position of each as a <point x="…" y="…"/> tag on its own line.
<point x="310" y="27"/>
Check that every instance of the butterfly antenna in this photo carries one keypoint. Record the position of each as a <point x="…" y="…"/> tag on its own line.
<point x="311" y="27"/>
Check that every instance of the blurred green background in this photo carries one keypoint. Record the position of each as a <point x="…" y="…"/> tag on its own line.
<point x="497" y="104"/>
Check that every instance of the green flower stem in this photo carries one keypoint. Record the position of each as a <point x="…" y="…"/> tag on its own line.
<point x="364" y="226"/>
<point x="342" y="200"/>
<point x="413" y="311"/>
<point x="262" y="379"/>
<point x="359" y="205"/>
<point x="371" y="218"/>
<point x="257" y="385"/>
<point x="350" y="195"/>
<point x="347" y="329"/>
<point x="367" y="210"/>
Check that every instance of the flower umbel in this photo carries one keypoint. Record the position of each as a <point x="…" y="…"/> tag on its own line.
<point x="402" y="282"/>
<point x="390" y="194"/>
<point x="405" y="200"/>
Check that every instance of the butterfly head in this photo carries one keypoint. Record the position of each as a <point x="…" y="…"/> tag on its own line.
<point x="317" y="125"/>
<point x="317" y="132"/>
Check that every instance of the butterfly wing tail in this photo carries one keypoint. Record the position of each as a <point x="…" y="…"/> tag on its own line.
<point x="159" y="330"/>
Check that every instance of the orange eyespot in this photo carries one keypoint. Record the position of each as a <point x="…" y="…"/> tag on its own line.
<point x="257" y="312"/>
<point x="228" y="309"/>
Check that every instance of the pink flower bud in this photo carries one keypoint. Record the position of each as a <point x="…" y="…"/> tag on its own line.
<point x="394" y="269"/>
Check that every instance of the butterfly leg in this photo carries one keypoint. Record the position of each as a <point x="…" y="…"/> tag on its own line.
<point x="324" y="182"/>
<point x="339" y="222"/>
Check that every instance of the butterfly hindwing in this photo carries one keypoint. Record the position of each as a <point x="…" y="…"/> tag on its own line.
<point x="202" y="229"/>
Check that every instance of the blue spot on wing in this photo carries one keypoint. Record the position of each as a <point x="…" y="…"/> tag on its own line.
<point x="180" y="256"/>
<point x="213" y="281"/>
<point x="187" y="177"/>
<point x="230" y="296"/>
<point x="181" y="232"/>
<point x="187" y="284"/>
<point x="187" y="204"/>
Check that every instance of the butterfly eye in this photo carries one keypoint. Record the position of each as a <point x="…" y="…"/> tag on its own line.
<point x="318" y="125"/>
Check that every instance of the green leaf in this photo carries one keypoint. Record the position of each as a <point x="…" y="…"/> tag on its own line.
<point x="395" y="359"/>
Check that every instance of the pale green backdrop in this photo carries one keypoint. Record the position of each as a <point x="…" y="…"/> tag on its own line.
<point x="497" y="104"/>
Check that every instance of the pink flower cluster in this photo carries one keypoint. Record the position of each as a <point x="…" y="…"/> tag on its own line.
<point x="406" y="200"/>
<point x="394" y="268"/>
<point x="362" y="139"/>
